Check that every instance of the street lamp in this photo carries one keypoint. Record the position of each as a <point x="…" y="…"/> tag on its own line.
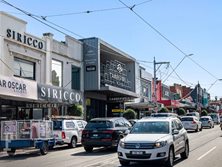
<point x="213" y="84"/>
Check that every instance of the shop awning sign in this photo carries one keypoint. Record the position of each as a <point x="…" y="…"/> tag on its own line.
<point x="18" y="87"/>
<point x="58" y="94"/>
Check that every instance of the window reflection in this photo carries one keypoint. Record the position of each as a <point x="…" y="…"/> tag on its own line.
<point x="56" y="73"/>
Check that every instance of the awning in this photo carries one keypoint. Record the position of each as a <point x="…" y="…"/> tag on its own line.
<point x="171" y="103"/>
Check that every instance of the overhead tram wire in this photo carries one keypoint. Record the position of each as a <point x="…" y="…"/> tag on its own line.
<point x="164" y="37"/>
<point x="34" y="17"/>
<point x="96" y="10"/>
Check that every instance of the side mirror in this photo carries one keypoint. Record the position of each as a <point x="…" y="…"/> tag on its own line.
<point x="175" y="132"/>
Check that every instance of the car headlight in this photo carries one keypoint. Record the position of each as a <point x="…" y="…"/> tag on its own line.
<point x="121" y="144"/>
<point x="160" y="144"/>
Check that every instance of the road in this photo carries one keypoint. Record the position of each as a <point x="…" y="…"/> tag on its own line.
<point x="205" y="151"/>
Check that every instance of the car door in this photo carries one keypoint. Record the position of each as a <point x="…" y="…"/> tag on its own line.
<point x="181" y="135"/>
<point x="175" y="136"/>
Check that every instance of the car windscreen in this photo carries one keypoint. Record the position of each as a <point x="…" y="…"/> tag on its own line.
<point x="99" y="124"/>
<point x="159" y="115"/>
<point x="57" y="125"/>
<point x="187" y="119"/>
<point x="204" y="119"/>
<point x="158" y="127"/>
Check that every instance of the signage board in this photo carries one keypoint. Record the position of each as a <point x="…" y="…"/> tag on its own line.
<point x="58" y="94"/>
<point x="18" y="87"/>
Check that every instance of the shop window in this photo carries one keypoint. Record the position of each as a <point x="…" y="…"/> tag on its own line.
<point x="24" y="69"/>
<point x="56" y="73"/>
<point x="75" y="78"/>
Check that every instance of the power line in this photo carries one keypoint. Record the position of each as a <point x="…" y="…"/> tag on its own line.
<point x="95" y="10"/>
<point x="164" y="37"/>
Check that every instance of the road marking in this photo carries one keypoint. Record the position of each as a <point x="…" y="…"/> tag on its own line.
<point x="206" y="153"/>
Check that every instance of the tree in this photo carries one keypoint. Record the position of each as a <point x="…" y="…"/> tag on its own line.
<point x="164" y="110"/>
<point x="129" y="114"/>
<point x="76" y="110"/>
<point x="181" y="111"/>
<point x="204" y="113"/>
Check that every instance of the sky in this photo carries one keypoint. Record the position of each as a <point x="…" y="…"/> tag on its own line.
<point x="165" y="29"/>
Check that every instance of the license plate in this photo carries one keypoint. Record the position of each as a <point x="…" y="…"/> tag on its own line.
<point x="137" y="152"/>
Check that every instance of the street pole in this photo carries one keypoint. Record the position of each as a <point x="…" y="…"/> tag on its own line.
<point x="154" y="80"/>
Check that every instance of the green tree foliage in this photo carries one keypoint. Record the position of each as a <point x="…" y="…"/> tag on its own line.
<point x="164" y="110"/>
<point x="181" y="111"/>
<point x="129" y="114"/>
<point x="77" y="110"/>
<point x="204" y="113"/>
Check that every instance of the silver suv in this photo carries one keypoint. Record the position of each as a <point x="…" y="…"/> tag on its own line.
<point x="159" y="139"/>
<point x="68" y="131"/>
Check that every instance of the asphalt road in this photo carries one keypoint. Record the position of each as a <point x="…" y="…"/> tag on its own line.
<point x="205" y="151"/>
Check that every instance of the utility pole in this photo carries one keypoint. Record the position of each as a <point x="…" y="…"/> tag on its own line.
<point x="154" y="80"/>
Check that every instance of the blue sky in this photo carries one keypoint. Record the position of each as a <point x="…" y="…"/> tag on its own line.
<point x="194" y="26"/>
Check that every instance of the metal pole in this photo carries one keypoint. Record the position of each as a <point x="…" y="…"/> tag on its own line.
<point x="154" y="80"/>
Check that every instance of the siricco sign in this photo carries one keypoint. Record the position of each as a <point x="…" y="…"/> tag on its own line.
<point x="24" y="39"/>
<point x="58" y="94"/>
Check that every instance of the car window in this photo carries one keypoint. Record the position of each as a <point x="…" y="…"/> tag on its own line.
<point x="70" y="125"/>
<point x="186" y="119"/>
<point x="80" y="125"/>
<point x="159" y="127"/>
<point x="204" y="119"/>
<point x="127" y="123"/>
<point x="119" y="123"/>
<point x="179" y="125"/>
<point x="57" y="125"/>
<point x="97" y="124"/>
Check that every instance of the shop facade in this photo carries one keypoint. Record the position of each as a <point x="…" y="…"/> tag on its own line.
<point x="39" y="77"/>
<point x="109" y="78"/>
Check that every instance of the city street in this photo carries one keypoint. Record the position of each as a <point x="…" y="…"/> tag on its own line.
<point x="205" y="151"/>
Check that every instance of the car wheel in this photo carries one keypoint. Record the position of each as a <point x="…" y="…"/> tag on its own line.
<point x="185" y="154"/>
<point x="73" y="142"/>
<point x="197" y="129"/>
<point x="88" y="149"/>
<point x="169" y="162"/>
<point x="124" y="163"/>
<point x="11" y="152"/>
<point x="44" y="149"/>
<point x="201" y="128"/>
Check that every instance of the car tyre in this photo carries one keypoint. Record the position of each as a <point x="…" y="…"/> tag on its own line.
<point x="124" y="163"/>
<point x="44" y="149"/>
<point x="185" y="154"/>
<point x="197" y="129"/>
<point x="11" y="152"/>
<point x="73" y="143"/>
<point x="170" y="159"/>
<point x="88" y="149"/>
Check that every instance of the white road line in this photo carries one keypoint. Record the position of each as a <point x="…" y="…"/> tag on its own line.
<point x="206" y="153"/>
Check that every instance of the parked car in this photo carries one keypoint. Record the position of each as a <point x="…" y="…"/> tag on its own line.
<point x="68" y="131"/>
<point x="196" y="114"/>
<point x="207" y="121"/>
<point x="164" y="115"/>
<point x="191" y="123"/>
<point x="159" y="139"/>
<point x="104" y="132"/>
<point x="215" y="117"/>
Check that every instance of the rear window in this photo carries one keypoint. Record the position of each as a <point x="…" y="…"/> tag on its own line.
<point x="187" y="119"/>
<point x="57" y="125"/>
<point x="204" y="119"/>
<point x="99" y="124"/>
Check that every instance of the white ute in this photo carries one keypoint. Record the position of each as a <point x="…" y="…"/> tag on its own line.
<point x="154" y="139"/>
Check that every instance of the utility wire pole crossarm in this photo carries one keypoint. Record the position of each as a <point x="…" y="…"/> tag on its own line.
<point x="154" y="80"/>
